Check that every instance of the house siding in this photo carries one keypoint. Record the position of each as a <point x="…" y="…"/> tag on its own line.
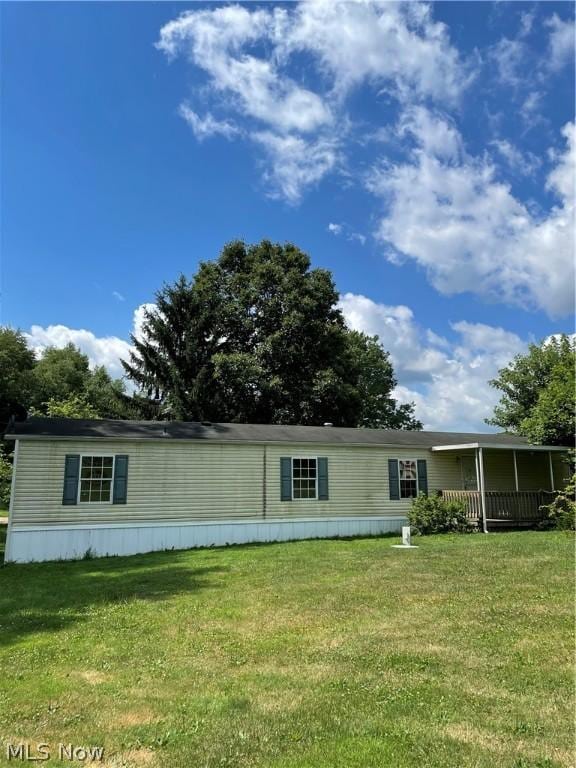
<point x="191" y="493"/>
<point x="188" y="481"/>
<point x="174" y="481"/>
<point x="357" y="479"/>
<point x="166" y="482"/>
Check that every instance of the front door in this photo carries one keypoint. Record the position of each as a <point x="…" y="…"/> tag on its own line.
<point x="469" y="473"/>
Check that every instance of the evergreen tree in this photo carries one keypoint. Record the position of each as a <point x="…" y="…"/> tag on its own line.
<point x="256" y="336"/>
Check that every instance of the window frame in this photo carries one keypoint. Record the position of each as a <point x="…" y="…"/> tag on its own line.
<point x="307" y="458"/>
<point x="99" y="456"/>
<point x="400" y="479"/>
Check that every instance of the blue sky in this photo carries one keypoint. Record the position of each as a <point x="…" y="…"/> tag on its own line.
<point x="423" y="153"/>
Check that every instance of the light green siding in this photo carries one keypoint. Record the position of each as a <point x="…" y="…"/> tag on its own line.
<point x="176" y="481"/>
<point x="358" y="480"/>
<point x="166" y="482"/>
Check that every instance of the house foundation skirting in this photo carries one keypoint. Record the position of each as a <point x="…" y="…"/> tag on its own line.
<point x="70" y="542"/>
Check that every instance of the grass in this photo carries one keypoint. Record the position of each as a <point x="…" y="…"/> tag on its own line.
<point x="319" y="654"/>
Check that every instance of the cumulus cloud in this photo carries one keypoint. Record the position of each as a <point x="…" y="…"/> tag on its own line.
<point x="216" y="40"/>
<point x="247" y="56"/>
<point x="101" y="350"/>
<point x="286" y="75"/>
<point x="469" y="232"/>
<point x="398" y="45"/>
<point x="294" y="163"/>
<point x="560" y="43"/>
<point x="448" y="381"/>
<point x="435" y="133"/>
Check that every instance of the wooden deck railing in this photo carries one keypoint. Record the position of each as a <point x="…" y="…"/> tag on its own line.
<point x="522" y="507"/>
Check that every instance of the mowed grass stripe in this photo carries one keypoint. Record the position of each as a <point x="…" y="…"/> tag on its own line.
<point x="319" y="653"/>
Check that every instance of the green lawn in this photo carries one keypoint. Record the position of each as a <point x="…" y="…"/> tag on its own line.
<point x="321" y="654"/>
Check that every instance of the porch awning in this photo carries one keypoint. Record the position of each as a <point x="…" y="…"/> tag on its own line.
<point x="501" y="447"/>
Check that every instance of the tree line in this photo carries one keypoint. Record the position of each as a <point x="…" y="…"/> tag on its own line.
<point x="256" y="336"/>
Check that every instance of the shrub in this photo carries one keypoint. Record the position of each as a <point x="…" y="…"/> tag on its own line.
<point x="433" y="514"/>
<point x="561" y="513"/>
<point x="5" y="481"/>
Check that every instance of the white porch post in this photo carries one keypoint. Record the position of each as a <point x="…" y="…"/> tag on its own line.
<point x="551" y="467"/>
<point x="482" y="489"/>
<point x="515" y="472"/>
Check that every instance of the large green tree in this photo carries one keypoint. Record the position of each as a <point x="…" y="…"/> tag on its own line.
<point x="65" y="385"/>
<point x="538" y="393"/>
<point x="255" y="336"/>
<point x="17" y="363"/>
<point x="376" y="381"/>
<point x="59" y="374"/>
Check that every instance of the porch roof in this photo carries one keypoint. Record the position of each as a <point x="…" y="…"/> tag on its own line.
<point x="499" y="447"/>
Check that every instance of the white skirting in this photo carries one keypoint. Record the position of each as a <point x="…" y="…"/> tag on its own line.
<point x="71" y="542"/>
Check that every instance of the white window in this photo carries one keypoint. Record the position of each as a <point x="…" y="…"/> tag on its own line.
<point x="304" y="479"/>
<point x="96" y="476"/>
<point x="408" y="474"/>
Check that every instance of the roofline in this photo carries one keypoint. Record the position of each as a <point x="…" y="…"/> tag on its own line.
<point x="222" y="441"/>
<point x="452" y="447"/>
<point x="509" y="447"/>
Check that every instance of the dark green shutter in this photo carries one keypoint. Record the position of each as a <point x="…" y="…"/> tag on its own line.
<point x="422" y="476"/>
<point x="285" y="478"/>
<point x="71" y="475"/>
<point x="120" y="480"/>
<point x="322" y="478"/>
<point x="393" y="479"/>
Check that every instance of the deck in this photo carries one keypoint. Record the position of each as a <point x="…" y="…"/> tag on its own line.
<point x="504" y="509"/>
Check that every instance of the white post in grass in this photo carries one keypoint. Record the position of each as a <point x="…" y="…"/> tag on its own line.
<point x="482" y="489"/>
<point x="406" y="543"/>
<point x="515" y="472"/>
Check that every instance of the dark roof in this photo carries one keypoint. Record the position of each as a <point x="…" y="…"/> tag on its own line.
<point x="249" y="433"/>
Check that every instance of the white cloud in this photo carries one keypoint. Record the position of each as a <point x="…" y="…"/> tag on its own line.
<point x="106" y="350"/>
<point x="525" y="163"/>
<point x="448" y="381"/>
<point x="434" y="133"/>
<point x="344" y="229"/>
<point x="560" y="43"/>
<point x="118" y="296"/>
<point x="101" y="350"/>
<point x="139" y="318"/>
<point x="207" y="126"/>
<point x="395" y="45"/>
<point x="295" y="163"/>
<point x="469" y="232"/>
<point x="509" y="55"/>
<point x="563" y="178"/>
<point x="526" y="23"/>
<point x="357" y="237"/>
<point x="216" y="40"/>
<point x="248" y="57"/>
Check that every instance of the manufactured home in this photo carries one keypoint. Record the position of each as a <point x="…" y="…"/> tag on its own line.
<point x="122" y="487"/>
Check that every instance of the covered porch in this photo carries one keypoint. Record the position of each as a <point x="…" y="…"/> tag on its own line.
<point x="504" y="486"/>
